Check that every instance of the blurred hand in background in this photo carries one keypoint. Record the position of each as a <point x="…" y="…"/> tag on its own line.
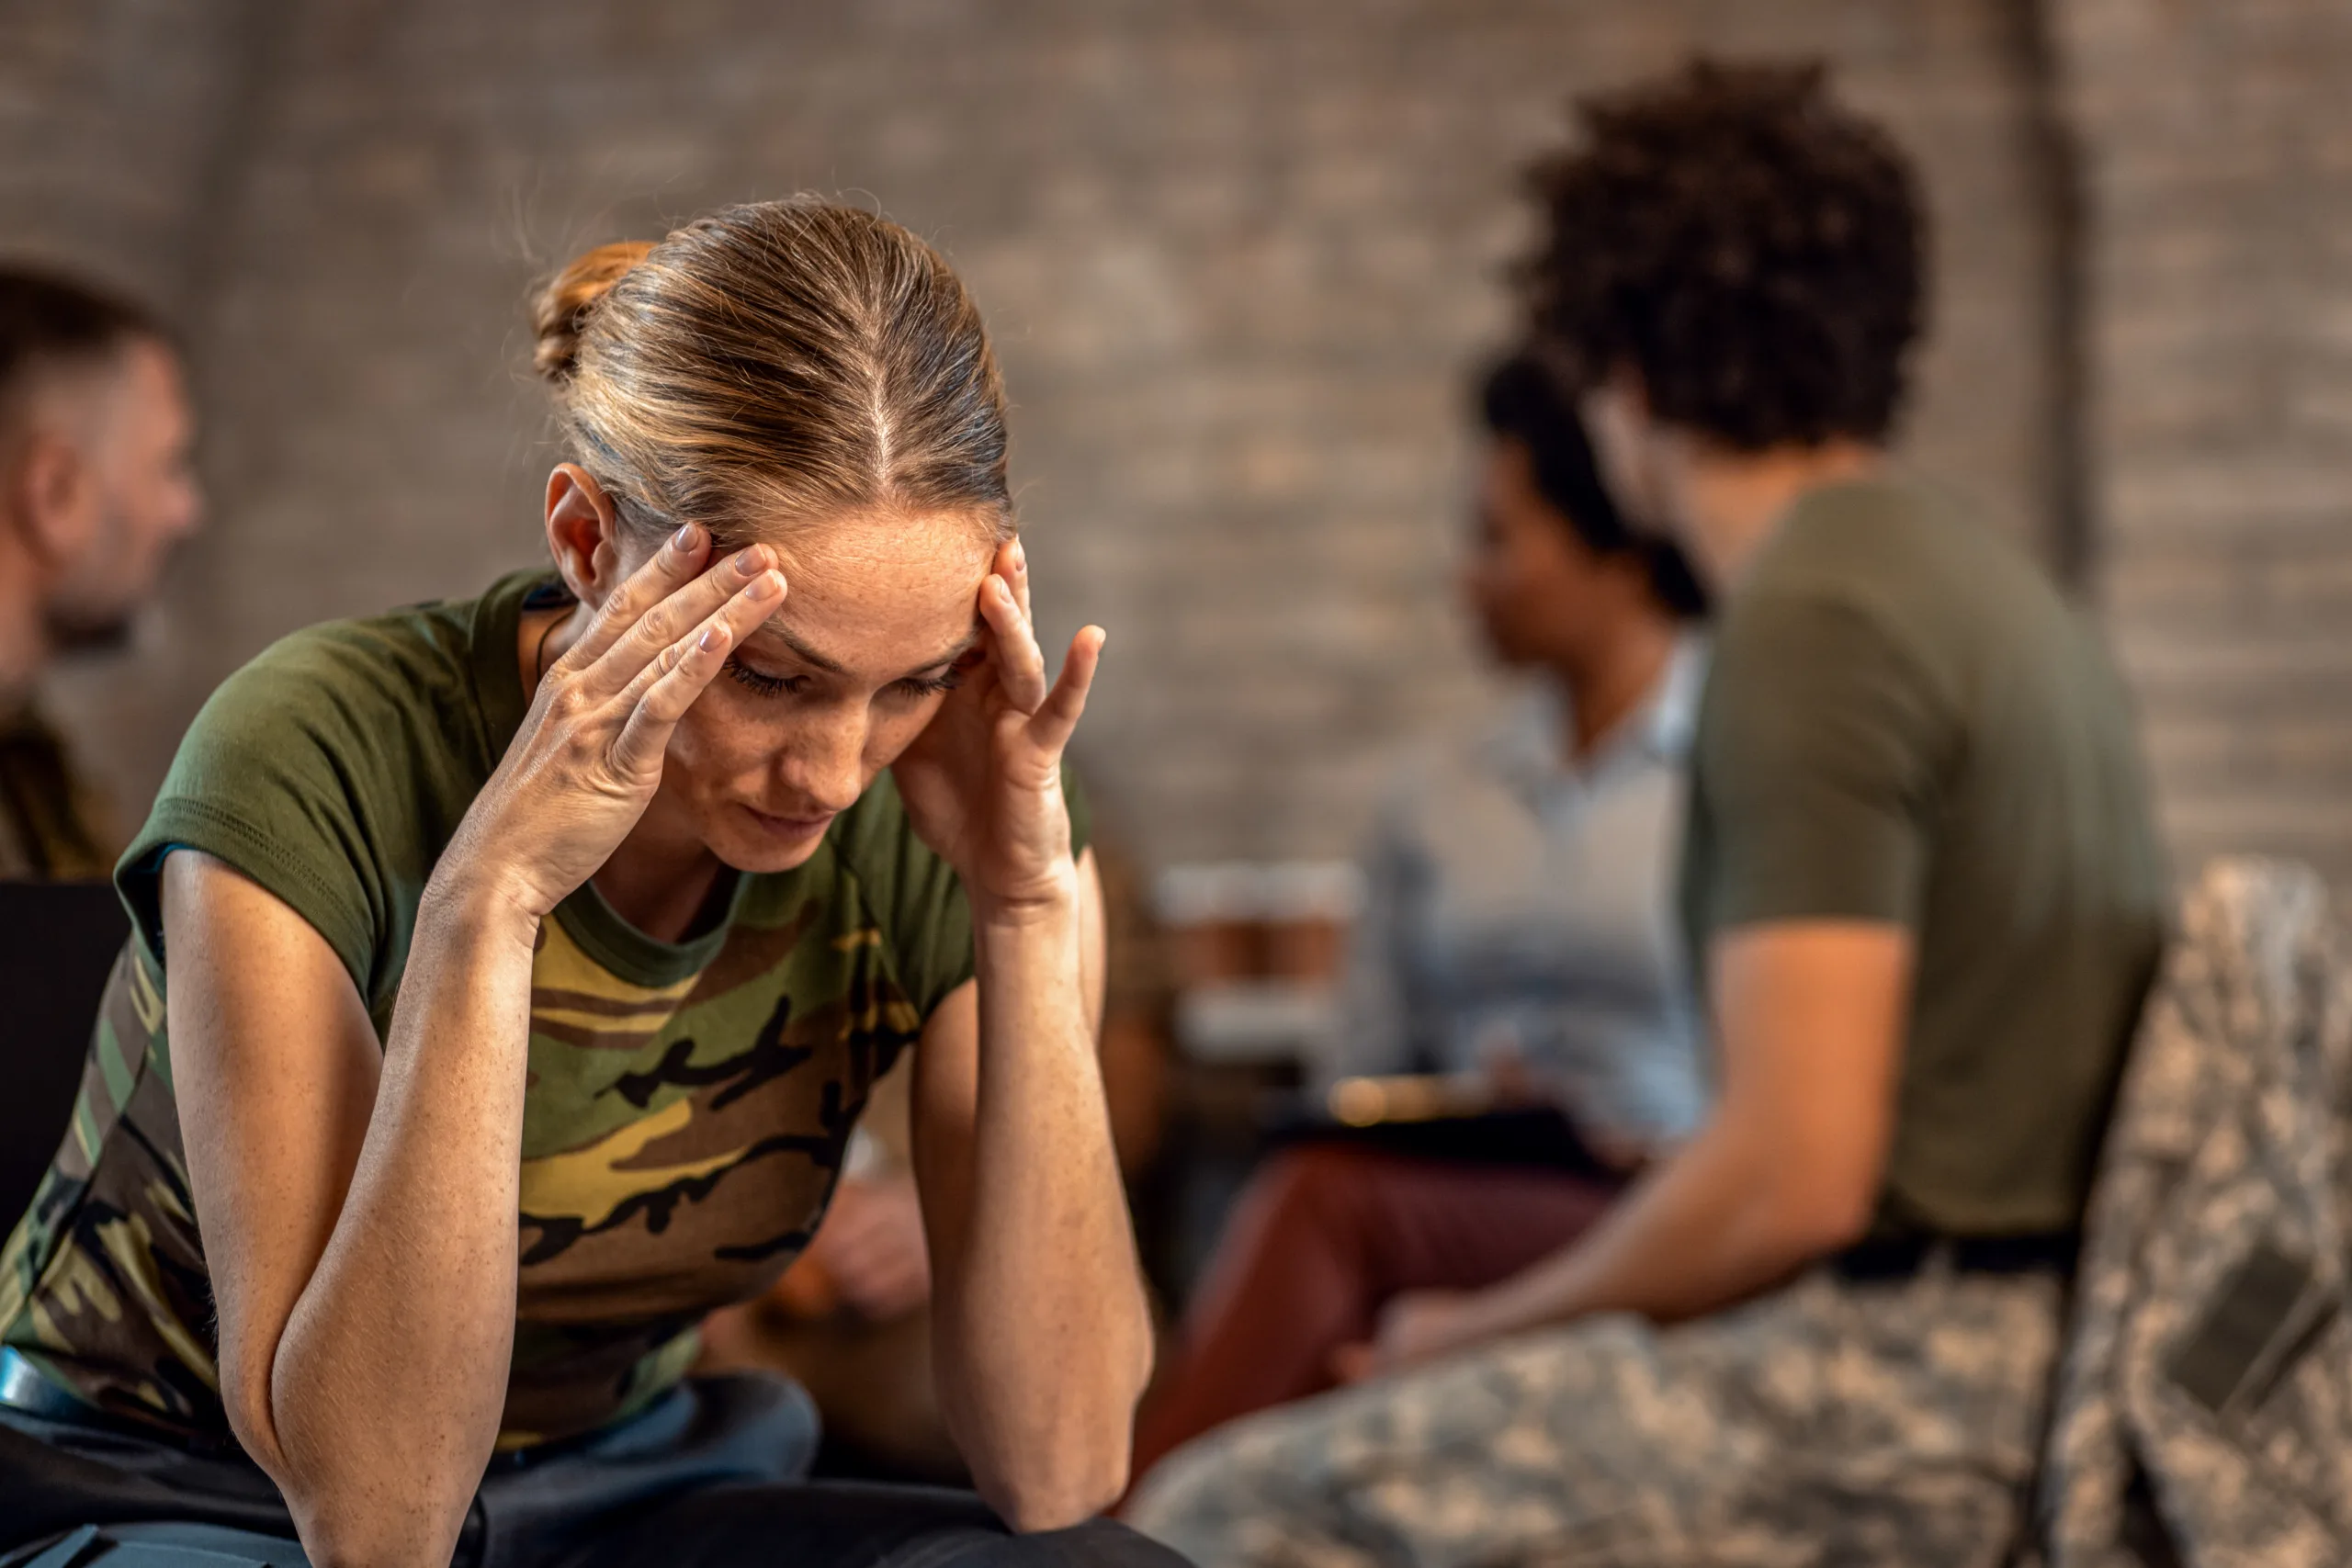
<point x="870" y="1248"/>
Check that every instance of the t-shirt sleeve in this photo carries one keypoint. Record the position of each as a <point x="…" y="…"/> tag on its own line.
<point x="1819" y="753"/>
<point x="918" y="900"/>
<point x="267" y="781"/>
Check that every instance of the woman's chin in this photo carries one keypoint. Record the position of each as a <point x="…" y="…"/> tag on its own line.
<point x="759" y="843"/>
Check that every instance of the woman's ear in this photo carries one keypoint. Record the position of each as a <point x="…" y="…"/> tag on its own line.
<point x="583" y="533"/>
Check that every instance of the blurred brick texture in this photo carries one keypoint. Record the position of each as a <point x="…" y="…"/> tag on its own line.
<point x="1240" y="258"/>
<point x="2218" y="136"/>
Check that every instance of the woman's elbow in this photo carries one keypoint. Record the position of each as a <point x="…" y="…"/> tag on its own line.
<point x="1147" y="1362"/>
<point x="1076" y="1469"/>
<point x="1075" y="1488"/>
<point x="346" y="1523"/>
<point x="350" y="1520"/>
<point x="332" y="1538"/>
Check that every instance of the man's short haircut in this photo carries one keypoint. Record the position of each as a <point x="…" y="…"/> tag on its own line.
<point x="1528" y="399"/>
<point x="1746" y="245"/>
<point x="48" y="321"/>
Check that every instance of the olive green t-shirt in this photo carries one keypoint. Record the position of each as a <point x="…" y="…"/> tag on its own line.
<point x="1904" y="723"/>
<point x="687" y="1105"/>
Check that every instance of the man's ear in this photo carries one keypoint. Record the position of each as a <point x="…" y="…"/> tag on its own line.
<point x="53" y="495"/>
<point x="584" y="533"/>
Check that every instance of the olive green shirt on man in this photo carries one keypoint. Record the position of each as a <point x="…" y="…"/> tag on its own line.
<point x="54" y="825"/>
<point x="1906" y="724"/>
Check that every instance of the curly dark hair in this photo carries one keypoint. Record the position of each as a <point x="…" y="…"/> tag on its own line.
<point x="1751" y="249"/>
<point x="1525" y="399"/>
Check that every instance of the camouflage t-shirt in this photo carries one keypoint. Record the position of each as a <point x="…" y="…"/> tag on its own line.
<point x="688" y="1105"/>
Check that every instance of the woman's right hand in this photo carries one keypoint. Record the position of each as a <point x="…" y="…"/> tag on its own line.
<point x="587" y="758"/>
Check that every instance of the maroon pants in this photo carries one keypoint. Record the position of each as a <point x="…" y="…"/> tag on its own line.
<point x="1321" y="1238"/>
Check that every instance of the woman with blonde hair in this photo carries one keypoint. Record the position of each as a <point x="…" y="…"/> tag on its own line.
<point x="508" y="975"/>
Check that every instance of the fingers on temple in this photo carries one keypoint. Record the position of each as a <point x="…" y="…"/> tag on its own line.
<point x="1067" y="701"/>
<point x="680" y="612"/>
<point x="684" y="669"/>
<point x="1021" y="664"/>
<point x="670" y="682"/>
<point x="1018" y="562"/>
<point x="680" y="557"/>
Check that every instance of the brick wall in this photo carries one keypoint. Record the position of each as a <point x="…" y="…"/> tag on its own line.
<point x="2219" y="291"/>
<point x="1237" y="256"/>
<point x="114" y="119"/>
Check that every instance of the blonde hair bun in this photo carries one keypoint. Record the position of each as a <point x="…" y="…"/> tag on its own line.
<point x="560" y="313"/>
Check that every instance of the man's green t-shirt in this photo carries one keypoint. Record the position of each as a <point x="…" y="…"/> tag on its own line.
<point x="688" y="1105"/>
<point x="1904" y="723"/>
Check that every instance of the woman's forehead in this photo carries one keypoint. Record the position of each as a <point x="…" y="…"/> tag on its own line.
<point x="876" y="596"/>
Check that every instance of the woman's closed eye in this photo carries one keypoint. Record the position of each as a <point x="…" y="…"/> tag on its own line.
<point x="948" y="680"/>
<point x="761" y="683"/>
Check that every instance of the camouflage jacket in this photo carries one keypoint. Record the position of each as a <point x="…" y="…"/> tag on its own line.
<point x="2204" y="1409"/>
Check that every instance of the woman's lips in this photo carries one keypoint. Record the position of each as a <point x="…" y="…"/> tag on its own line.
<point x="791" y="827"/>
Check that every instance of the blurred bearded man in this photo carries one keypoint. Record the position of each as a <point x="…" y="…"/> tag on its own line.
<point x="96" y="486"/>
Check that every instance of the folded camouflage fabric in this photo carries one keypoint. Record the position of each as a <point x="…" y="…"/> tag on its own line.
<point x="2204" y="1410"/>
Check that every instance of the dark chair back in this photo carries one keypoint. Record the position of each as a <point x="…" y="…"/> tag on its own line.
<point x="58" y="940"/>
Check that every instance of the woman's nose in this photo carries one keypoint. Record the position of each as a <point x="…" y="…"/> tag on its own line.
<point x="828" y="767"/>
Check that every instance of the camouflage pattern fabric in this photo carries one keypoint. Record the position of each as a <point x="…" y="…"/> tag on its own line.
<point x="688" y="1104"/>
<point x="680" y="1142"/>
<point x="1830" y="1423"/>
<point x="2208" y="1377"/>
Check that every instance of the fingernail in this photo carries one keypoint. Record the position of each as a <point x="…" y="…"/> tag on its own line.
<point x="1020" y="556"/>
<point x="769" y="586"/>
<point x="685" y="540"/>
<point x="713" y="639"/>
<point x="748" y="563"/>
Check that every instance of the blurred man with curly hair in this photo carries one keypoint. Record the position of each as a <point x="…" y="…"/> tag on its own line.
<point x="1921" y="892"/>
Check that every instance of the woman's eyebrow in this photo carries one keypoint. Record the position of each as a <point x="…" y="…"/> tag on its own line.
<point x="971" y="640"/>
<point x="775" y="629"/>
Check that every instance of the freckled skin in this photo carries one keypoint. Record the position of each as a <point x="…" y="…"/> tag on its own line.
<point x="883" y="596"/>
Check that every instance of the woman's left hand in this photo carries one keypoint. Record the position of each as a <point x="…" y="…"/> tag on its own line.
<point x="982" y="782"/>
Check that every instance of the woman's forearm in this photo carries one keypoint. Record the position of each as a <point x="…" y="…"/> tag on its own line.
<point x="389" y="1382"/>
<point x="1044" y="1338"/>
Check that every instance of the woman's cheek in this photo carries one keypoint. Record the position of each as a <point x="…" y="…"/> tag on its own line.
<point x="894" y="732"/>
<point x="715" y="742"/>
